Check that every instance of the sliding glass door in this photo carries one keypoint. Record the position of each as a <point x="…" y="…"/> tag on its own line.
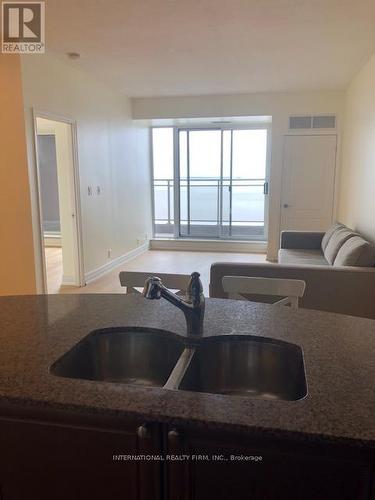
<point x="200" y="182"/>
<point x="222" y="183"/>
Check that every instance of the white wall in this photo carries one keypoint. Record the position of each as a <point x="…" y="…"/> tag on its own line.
<point x="113" y="154"/>
<point x="357" y="186"/>
<point x="278" y="105"/>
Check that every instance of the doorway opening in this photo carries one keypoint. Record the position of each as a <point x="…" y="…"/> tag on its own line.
<point x="58" y="195"/>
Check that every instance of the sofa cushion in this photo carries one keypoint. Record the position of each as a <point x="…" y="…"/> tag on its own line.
<point x="329" y="233"/>
<point x="356" y="251"/>
<point x="338" y="238"/>
<point x="302" y="257"/>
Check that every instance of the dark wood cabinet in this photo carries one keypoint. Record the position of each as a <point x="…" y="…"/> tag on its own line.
<point x="45" y="461"/>
<point x="79" y="459"/>
<point x="223" y="467"/>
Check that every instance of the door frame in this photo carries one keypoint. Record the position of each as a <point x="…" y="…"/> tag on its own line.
<point x="335" y="173"/>
<point x="76" y="193"/>
<point x="219" y="127"/>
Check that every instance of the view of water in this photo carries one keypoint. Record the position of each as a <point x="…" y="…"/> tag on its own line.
<point x="226" y="170"/>
<point x="247" y="204"/>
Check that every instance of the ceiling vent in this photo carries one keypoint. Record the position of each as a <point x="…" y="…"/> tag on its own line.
<point x="312" y="122"/>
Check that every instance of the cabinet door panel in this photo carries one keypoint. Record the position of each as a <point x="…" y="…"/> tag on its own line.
<point x="275" y="477"/>
<point x="56" y="462"/>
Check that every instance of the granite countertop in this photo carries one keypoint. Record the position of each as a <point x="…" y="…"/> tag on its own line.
<point x="338" y="350"/>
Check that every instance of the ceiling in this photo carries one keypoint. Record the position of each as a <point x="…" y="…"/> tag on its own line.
<point x="196" y="47"/>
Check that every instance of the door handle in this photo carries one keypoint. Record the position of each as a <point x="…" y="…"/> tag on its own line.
<point x="173" y="437"/>
<point x="286" y="205"/>
<point x="143" y="432"/>
<point x="265" y="188"/>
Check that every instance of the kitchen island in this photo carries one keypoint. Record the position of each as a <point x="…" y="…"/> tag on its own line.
<point x="249" y="447"/>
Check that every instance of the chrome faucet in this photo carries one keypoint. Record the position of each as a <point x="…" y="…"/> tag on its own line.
<point x="192" y="305"/>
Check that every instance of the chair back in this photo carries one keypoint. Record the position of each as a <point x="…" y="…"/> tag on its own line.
<point x="133" y="280"/>
<point x="238" y="286"/>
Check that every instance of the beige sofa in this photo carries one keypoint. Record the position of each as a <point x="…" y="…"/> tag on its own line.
<point x="337" y="266"/>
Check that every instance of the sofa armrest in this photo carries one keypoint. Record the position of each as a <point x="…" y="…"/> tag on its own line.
<point x="345" y="290"/>
<point x="306" y="240"/>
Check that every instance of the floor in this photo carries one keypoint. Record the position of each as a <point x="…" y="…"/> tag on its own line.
<point x="152" y="261"/>
<point x="54" y="268"/>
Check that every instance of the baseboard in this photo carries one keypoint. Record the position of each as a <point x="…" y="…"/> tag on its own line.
<point x="52" y="239"/>
<point x="199" y="245"/>
<point x="52" y="242"/>
<point x="102" y="270"/>
<point x="68" y="281"/>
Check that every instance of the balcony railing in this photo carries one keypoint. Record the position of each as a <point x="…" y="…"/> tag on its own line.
<point x="235" y="205"/>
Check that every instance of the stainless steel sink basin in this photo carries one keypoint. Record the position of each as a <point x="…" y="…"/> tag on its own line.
<point x="247" y="366"/>
<point x="231" y="365"/>
<point x="140" y="356"/>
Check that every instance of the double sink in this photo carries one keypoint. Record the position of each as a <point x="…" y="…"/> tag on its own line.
<point x="241" y="365"/>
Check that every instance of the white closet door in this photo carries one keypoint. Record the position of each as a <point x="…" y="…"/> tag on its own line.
<point x="308" y="182"/>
